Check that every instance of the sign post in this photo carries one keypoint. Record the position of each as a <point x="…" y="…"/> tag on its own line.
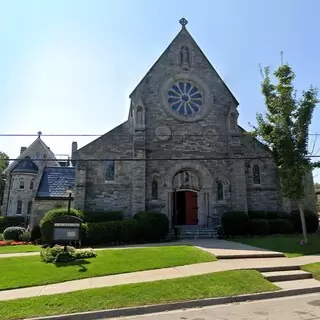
<point x="66" y="229"/>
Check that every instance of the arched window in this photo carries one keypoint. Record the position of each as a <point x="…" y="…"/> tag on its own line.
<point x="219" y="190"/>
<point x="139" y="117"/>
<point x="154" y="190"/>
<point x="256" y="174"/>
<point x="110" y="170"/>
<point x="21" y="184"/>
<point x="19" y="207"/>
<point x="31" y="184"/>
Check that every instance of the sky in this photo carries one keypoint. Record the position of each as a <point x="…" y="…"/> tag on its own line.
<point x="68" y="66"/>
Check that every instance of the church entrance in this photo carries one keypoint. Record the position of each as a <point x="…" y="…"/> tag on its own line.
<point x="186" y="208"/>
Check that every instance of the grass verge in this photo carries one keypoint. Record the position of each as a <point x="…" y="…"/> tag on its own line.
<point x="21" y="272"/>
<point x="19" y="249"/>
<point x="313" y="268"/>
<point x="289" y="245"/>
<point x="219" y="284"/>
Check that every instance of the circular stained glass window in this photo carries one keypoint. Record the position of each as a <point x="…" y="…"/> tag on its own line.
<point x="185" y="99"/>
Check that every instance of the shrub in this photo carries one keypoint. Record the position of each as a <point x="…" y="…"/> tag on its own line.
<point x="312" y="220"/>
<point x="93" y="217"/>
<point x="25" y="236"/>
<point x="259" y="227"/>
<point x="257" y="214"/>
<point x="6" y="222"/>
<point x="1" y="237"/>
<point x="13" y="233"/>
<point x="112" y="232"/>
<point x="46" y="223"/>
<point x="35" y="233"/>
<point x="235" y="223"/>
<point x="281" y="226"/>
<point x="57" y="254"/>
<point x="153" y="226"/>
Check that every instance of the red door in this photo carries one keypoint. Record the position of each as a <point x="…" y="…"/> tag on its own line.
<point x="191" y="207"/>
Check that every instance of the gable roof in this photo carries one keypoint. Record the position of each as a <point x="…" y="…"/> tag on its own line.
<point x="186" y="32"/>
<point x="55" y="181"/>
<point x="25" y="153"/>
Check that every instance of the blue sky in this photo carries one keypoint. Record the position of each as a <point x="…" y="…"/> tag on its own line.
<point x="69" y="66"/>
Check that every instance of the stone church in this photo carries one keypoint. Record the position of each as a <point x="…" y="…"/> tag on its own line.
<point x="181" y="151"/>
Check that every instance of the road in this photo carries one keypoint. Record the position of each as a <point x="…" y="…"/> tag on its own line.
<point x="304" y="307"/>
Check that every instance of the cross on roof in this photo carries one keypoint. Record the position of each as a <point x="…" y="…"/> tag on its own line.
<point x="183" y="22"/>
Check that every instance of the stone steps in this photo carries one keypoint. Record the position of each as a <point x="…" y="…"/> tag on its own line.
<point x="196" y="232"/>
<point x="286" y="275"/>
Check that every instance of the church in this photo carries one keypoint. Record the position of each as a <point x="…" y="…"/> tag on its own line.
<point x="180" y="152"/>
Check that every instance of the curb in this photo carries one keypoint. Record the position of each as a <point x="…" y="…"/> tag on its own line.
<point x="136" y="311"/>
<point x="249" y="256"/>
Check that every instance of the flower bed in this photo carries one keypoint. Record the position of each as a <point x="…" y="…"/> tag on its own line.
<point x="13" y="243"/>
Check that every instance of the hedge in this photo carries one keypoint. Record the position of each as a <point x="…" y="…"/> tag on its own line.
<point x="92" y="217"/>
<point x="259" y="227"/>
<point x="112" y="232"/>
<point x="13" y="233"/>
<point x="153" y="226"/>
<point x="312" y="221"/>
<point x="269" y="215"/>
<point x="281" y="226"/>
<point x="235" y="223"/>
<point x="46" y="223"/>
<point x="6" y="222"/>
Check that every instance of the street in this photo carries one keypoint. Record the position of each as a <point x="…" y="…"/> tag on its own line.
<point x="305" y="307"/>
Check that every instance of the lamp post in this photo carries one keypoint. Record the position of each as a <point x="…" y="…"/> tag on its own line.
<point x="69" y="191"/>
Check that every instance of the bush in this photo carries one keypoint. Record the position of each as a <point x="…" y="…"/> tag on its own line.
<point x="25" y="236"/>
<point x="1" y="237"/>
<point x="281" y="226"/>
<point x="13" y="233"/>
<point x="112" y="232"/>
<point x="259" y="227"/>
<point x="93" y="217"/>
<point x="57" y="254"/>
<point x="312" y="220"/>
<point x="46" y="223"/>
<point x="153" y="226"/>
<point x="235" y="223"/>
<point x="6" y="222"/>
<point x="35" y="233"/>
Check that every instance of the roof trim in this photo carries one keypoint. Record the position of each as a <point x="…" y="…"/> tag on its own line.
<point x="184" y="29"/>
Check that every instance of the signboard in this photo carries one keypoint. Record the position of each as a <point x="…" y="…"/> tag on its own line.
<point x="66" y="229"/>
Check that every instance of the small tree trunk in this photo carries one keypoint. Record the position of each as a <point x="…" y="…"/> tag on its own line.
<point x="303" y="222"/>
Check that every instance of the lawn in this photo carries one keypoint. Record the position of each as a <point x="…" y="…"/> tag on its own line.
<point x="219" y="284"/>
<point x="313" y="268"/>
<point x="19" y="248"/>
<point x="289" y="245"/>
<point x="20" y="272"/>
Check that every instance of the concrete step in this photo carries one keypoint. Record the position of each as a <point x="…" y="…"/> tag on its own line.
<point x="251" y="255"/>
<point x="278" y="268"/>
<point x="197" y="237"/>
<point x="280" y="276"/>
<point x="298" y="284"/>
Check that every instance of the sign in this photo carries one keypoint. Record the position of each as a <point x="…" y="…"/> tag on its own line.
<point x="66" y="229"/>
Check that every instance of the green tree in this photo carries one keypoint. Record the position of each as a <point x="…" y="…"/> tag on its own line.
<point x="285" y="129"/>
<point x="4" y="162"/>
<point x="317" y="185"/>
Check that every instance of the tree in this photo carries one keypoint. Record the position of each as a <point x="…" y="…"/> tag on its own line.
<point x="285" y="130"/>
<point x="4" y="162"/>
<point x="317" y="185"/>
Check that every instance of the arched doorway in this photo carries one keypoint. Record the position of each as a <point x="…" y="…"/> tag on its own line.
<point x="186" y="185"/>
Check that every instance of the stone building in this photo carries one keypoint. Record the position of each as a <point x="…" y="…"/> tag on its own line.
<point x="36" y="182"/>
<point x="181" y="151"/>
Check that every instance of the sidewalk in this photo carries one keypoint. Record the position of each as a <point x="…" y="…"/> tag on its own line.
<point x="153" y="275"/>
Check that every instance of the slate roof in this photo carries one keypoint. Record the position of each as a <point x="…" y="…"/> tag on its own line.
<point x="55" y="181"/>
<point x="25" y="165"/>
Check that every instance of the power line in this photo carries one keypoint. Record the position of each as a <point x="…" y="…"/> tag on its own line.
<point x="158" y="159"/>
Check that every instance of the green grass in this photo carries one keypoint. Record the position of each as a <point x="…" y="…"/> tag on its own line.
<point x="20" y="272"/>
<point x="289" y="245"/>
<point x="219" y="284"/>
<point x="313" y="268"/>
<point x="19" y="248"/>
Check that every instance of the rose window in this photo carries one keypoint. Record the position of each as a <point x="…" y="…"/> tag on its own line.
<point x="185" y="99"/>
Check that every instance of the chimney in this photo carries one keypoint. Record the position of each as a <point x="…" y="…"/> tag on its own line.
<point x="74" y="148"/>
<point x="22" y="149"/>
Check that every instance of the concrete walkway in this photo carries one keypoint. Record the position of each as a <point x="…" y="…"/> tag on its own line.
<point x="153" y="275"/>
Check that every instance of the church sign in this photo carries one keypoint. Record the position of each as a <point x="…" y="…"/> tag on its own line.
<point x="66" y="229"/>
